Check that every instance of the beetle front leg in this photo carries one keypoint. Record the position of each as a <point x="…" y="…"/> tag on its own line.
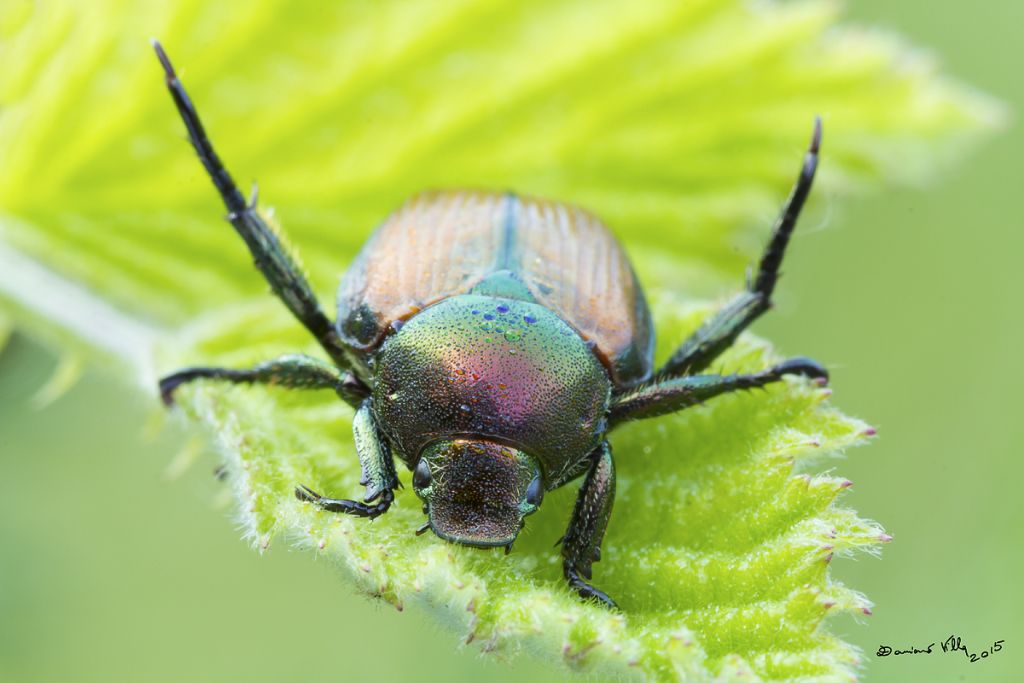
<point x="378" y="472"/>
<point x="581" y="545"/>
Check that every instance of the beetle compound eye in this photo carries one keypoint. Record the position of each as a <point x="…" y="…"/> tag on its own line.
<point x="421" y="476"/>
<point x="535" y="492"/>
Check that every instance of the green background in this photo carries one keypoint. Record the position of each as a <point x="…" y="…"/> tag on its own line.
<point x="119" y="573"/>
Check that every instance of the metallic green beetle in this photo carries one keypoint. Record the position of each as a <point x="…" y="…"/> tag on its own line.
<point x="491" y="342"/>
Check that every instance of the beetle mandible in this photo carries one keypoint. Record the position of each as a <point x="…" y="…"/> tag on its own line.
<point x="491" y="342"/>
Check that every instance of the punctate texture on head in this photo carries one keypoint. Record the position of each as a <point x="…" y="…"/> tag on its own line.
<point x="478" y="494"/>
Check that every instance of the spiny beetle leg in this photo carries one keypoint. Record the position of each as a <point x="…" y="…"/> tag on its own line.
<point x="349" y="507"/>
<point x="581" y="545"/>
<point x="375" y="460"/>
<point x="665" y="396"/>
<point x="721" y="330"/>
<point x="294" y="371"/>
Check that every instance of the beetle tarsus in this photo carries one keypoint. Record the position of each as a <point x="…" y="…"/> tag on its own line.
<point x="168" y="385"/>
<point x="348" y="507"/>
<point x="768" y="269"/>
<point x="271" y="257"/>
<point x="720" y="331"/>
<point x="587" y="591"/>
<point x="804" y="367"/>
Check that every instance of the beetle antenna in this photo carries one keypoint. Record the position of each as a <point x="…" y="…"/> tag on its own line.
<point x="421" y="530"/>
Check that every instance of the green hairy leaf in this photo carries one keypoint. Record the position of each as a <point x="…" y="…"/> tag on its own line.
<point x="720" y="562"/>
<point x="682" y="124"/>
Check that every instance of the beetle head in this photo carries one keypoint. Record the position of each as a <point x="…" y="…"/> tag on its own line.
<point x="477" y="492"/>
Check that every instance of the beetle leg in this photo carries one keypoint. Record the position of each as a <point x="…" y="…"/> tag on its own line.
<point x="378" y="471"/>
<point x="572" y="472"/>
<point x="719" y="332"/>
<point x="271" y="257"/>
<point x="294" y="371"/>
<point x="349" y="507"/>
<point x="665" y="396"/>
<point x="581" y="545"/>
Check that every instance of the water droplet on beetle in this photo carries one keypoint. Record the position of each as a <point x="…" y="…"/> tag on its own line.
<point x="488" y="316"/>
<point x="512" y="335"/>
<point x="502" y="308"/>
<point x="529" y="319"/>
<point x="464" y="408"/>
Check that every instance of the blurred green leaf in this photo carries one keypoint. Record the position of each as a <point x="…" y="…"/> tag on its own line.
<point x="682" y="124"/>
<point x="678" y="123"/>
<point x="5" y="331"/>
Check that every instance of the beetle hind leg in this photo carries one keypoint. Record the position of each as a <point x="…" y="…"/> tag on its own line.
<point x="269" y="253"/>
<point x="720" y="331"/>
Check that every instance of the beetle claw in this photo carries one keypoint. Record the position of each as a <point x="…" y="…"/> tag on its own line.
<point x="167" y="386"/>
<point x="306" y="494"/>
<point x="586" y="591"/>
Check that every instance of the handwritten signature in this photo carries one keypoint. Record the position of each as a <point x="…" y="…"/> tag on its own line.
<point x="952" y="644"/>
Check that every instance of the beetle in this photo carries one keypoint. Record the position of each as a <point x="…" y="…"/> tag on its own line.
<point x="491" y="342"/>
